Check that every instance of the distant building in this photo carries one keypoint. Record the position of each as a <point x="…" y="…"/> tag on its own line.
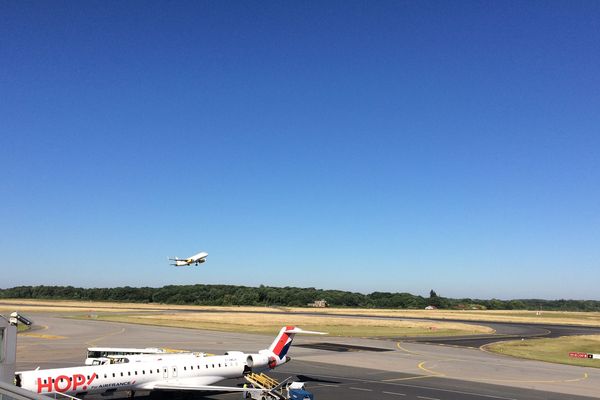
<point x="431" y="308"/>
<point x="318" y="304"/>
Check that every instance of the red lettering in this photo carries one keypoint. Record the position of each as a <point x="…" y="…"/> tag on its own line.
<point x="579" y="355"/>
<point x="78" y="380"/>
<point x="62" y="379"/>
<point x="42" y="385"/>
<point x="89" y="382"/>
<point x="62" y="383"/>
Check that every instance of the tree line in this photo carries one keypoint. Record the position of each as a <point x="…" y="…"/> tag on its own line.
<point x="231" y="295"/>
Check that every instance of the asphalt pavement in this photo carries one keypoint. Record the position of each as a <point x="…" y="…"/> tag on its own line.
<point x="363" y="369"/>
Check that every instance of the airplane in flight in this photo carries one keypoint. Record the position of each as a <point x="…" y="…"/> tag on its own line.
<point x="195" y="259"/>
<point x="162" y="372"/>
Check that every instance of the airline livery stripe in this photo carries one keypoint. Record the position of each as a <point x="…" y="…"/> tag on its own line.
<point x="281" y="344"/>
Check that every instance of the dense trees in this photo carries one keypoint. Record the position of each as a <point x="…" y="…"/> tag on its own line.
<point x="224" y="295"/>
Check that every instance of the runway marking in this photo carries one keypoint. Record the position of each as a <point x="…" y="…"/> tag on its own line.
<point x="427" y="398"/>
<point x="410" y="378"/>
<point x="497" y="362"/>
<point x="43" y="336"/>
<point x="328" y="385"/>
<point x="394" y="393"/>
<point x="473" y="378"/>
<point x="584" y="377"/>
<point x="405" y="350"/>
<point x="488" y="396"/>
<point x="422" y="367"/>
<point x="30" y="333"/>
<point x="96" y="340"/>
<point x="455" y="346"/>
<point x="361" y="389"/>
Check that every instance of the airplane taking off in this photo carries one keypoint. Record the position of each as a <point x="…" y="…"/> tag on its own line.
<point x="195" y="259"/>
<point x="165" y="372"/>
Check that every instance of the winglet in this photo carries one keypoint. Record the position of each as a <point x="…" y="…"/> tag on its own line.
<point x="300" y="330"/>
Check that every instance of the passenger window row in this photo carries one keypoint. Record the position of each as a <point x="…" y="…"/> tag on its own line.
<point x="114" y="374"/>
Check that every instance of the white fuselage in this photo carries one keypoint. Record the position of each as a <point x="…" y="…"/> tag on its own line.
<point x="141" y="373"/>
<point x="198" y="256"/>
<point x="179" y="371"/>
<point x="195" y="259"/>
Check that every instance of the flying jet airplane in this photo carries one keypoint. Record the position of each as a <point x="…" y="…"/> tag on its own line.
<point x="162" y="372"/>
<point x="195" y="259"/>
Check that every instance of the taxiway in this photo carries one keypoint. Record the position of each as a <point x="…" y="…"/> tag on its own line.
<point x="335" y="368"/>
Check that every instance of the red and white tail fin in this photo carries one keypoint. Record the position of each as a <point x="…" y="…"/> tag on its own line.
<point x="283" y="341"/>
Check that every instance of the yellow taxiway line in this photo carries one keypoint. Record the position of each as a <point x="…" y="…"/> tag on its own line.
<point x="96" y="340"/>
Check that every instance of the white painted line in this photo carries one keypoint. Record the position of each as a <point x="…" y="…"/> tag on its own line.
<point x="394" y="393"/>
<point x="488" y="396"/>
<point x="361" y="389"/>
<point x="328" y="385"/>
<point x="427" y="398"/>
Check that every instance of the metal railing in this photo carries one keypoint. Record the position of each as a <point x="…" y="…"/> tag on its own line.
<point x="63" y="396"/>
<point x="12" y="392"/>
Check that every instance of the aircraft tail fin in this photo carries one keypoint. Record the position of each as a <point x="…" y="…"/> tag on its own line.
<point x="283" y="341"/>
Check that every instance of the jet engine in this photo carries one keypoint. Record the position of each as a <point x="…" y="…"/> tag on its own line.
<point x="262" y="361"/>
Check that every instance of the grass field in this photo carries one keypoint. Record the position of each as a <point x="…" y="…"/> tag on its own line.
<point x="23" y="305"/>
<point x="268" y="319"/>
<point x="243" y="319"/>
<point x="554" y="350"/>
<point x="545" y="317"/>
<point x="267" y="323"/>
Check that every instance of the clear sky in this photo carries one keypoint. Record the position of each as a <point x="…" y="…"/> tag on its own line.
<point x="367" y="146"/>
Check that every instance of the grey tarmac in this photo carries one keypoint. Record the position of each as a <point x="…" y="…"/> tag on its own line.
<point x="409" y="370"/>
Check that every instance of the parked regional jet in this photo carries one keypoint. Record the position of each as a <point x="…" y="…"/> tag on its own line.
<point x="195" y="259"/>
<point x="166" y="372"/>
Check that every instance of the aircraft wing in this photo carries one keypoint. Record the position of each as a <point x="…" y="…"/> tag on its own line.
<point x="205" y="388"/>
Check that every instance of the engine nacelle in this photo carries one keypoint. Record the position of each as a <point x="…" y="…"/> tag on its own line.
<point x="261" y="362"/>
<point x="257" y="361"/>
<point x="265" y="359"/>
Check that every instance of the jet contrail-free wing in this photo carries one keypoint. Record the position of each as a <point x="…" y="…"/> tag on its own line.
<point x="195" y="259"/>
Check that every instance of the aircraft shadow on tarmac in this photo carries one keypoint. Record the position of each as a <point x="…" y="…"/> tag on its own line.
<point x="199" y="395"/>
<point x="180" y="395"/>
<point x="305" y="378"/>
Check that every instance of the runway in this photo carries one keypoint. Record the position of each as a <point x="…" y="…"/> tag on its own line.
<point x="335" y="368"/>
<point x="502" y="330"/>
<point x="510" y="331"/>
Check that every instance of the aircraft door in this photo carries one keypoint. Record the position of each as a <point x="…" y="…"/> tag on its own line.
<point x="165" y="372"/>
<point x="174" y="370"/>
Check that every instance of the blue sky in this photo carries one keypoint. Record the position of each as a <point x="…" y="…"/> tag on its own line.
<point x="367" y="146"/>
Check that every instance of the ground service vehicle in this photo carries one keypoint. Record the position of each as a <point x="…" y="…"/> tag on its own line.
<point x="270" y="389"/>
